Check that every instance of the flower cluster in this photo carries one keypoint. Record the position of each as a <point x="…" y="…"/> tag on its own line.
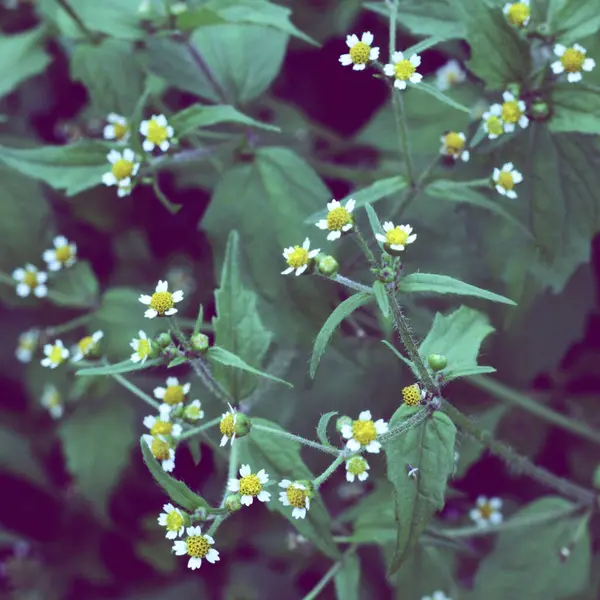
<point x="504" y="118"/>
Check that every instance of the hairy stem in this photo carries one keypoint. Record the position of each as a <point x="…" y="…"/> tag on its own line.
<point x="134" y="389"/>
<point x="201" y="368"/>
<point x="364" y="246"/>
<point x="314" y="593"/>
<point x="402" y="129"/>
<point x="196" y="430"/>
<point x="297" y="438"/>
<point x="328" y="472"/>
<point x="353" y="285"/>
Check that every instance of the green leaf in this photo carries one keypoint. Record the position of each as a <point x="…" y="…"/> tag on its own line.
<point x="574" y="21"/>
<point x="322" y="427"/>
<point x="442" y="284"/>
<point x="381" y="297"/>
<point x="347" y="578"/>
<point x="76" y="287"/>
<point x="178" y="360"/>
<point x="71" y="168"/>
<point x="177" y="491"/>
<point x="405" y="360"/>
<point x="374" y="221"/>
<point x="341" y="312"/>
<point x="224" y="357"/>
<point x="526" y="561"/>
<point x="197" y="116"/>
<point x="16" y="456"/>
<point x="575" y="111"/>
<point x="280" y="457"/>
<point x="96" y="440"/>
<point x="125" y="366"/>
<point x="23" y="56"/>
<point x="436" y="93"/>
<point x="425" y="44"/>
<point x="430" y="447"/>
<point x="458" y="336"/>
<point x="238" y="326"/>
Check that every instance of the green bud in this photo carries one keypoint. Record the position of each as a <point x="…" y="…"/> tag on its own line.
<point x="514" y="89"/>
<point x="540" y="110"/>
<point x="344" y="420"/>
<point x="200" y="342"/>
<point x="233" y="502"/>
<point x="155" y="350"/>
<point x="243" y="425"/>
<point x="327" y="265"/>
<point x="437" y="362"/>
<point x="387" y="275"/>
<point x="164" y="339"/>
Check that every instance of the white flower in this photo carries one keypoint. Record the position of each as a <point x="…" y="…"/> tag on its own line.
<point x="173" y="394"/>
<point x="487" y="511"/>
<point x="572" y="61"/>
<point x="162" y="425"/>
<point x="518" y="13"/>
<point x="250" y="485"/>
<point x="30" y="280"/>
<point x="56" y="354"/>
<point x="162" y="302"/>
<point x="124" y="168"/>
<point x="227" y="425"/>
<point x="295" y="494"/>
<point x="492" y="121"/>
<point x="157" y="132"/>
<point x="513" y="112"/>
<point x="87" y="345"/>
<point x="161" y="450"/>
<point x="298" y="257"/>
<point x="193" y="411"/>
<point x="117" y="128"/>
<point x="27" y="344"/>
<point x="339" y="219"/>
<point x="449" y="75"/>
<point x="403" y="70"/>
<point x="141" y="348"/>
<point x="396" y="237"/>
<point x="357" y="466"/>
<point x="173" y="520"/>
<point x="437" y="596"/>
<point x="506" y="179"/>
<point x="363" y="433"/>
<point x="361" y="51"/>
<point x="64" y="254"/>
<point x="453" y="145"/>
<point x="197" y="547"/>
<point x="52" y="400"/>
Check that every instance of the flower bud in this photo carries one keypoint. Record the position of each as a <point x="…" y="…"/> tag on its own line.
<point x="514" y="89"/>
<point x="344" y="420"/>
<point x="327" y="265"/>
<point x="540" y="110"/>
<point x="437" y="362"/>
<point x="164" y="339"/>
<point x="243" y="425"/>
<point x="233" y="502"/>
<point x="387" y="275"/>
<point x="200" y="342"/>
<point x="412" y="395"/>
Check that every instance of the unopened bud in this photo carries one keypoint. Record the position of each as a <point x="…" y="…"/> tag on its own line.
<point x="327" y="265"/>
<point x="233" y="502"/>
<point x="437" y="362"/>
<point x="243" y="425"/>
<point x="164" y="339"/>
<point x="514" y="89"/>
<point x="540" y="110"/>
<point x="200" y="342"/>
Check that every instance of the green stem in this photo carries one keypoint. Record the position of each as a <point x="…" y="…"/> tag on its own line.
<point x="506" y="394"/>
<point x="196" y="430"/>
<point x="329" y="575"/>
<point x="177" y="331"/>
<point x="297" y="438"/>
<point x="353" y="285"/>
<point x="393" y="4"/>
<point x="364" y="246"/>
<point x="134" y="389"/>
<point x="231" y="472"/>
<point x="405" y="425"/>
<point x="201" y="368"/>
<point x="483" y="182"/>
<point x="402" y="130"/>
<point x="328" y="472"/>
<point x="68" y="326"/>
<point x="90" y="35"/>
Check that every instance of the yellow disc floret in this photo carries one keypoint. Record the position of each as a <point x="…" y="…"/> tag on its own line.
<point x="511" y="112"/>
<point x="572" y="60"/>
<point x="161" y="302"/>
<point x="174" y="521"/>
<point x="486" y="510"/>
<point x="359" y="53"/>
<point x="56" y="355"/>
<point x="411" y="394"/>
<point x="357" y="465"/>
<point x="518" y="13"/>
<point x="86" y="344"/>
<point x="197" y="546"/>
<point x="364" y="432"/>
<point x="296" y="497"/>
<point x="505" y="180"/>
<point x="396" y="236"/>
<point x="157" y="134"/>
<point x="454" y="143"/>
<point x="121" y="130"/>
<point x="162" y="428"/>
<point x="122" y="169"/>
<point x="30" y="278"/>
<point x="174" y="395"/>
<point x="298" y="257"/>
<point x="63" y="253"/>
<point x="337" y="218"/>
<point x="160" y="449"/>
<point x="143" y="348"/>
<point x="250" y="485"/>
<point x="494" y="125"/>
<point x="404" y="69"/>
<point x="227" y="425"/>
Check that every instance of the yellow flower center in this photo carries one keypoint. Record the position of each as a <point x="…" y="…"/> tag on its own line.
<point x="30" y="279"/>
<point x="518" y="13"/>
<point x="454" y="143"/>
<point x="298" y="257"/>
<point x="55" y="355"/>
<point x="250" y="485"/>
<point x="357" y="465"/>
<point x="505" y="180"/>
<point x="227" y="425"/>
<point x="486" y="510"/>
<point x="359" y="53"/>
<point x="572" y="60"/>
<point x="159" y="449"/>
<point x="495" y="126"/>
<point x="143" y="348"/>
<point x="404" y="69"/>
<point x="452" y="77"/>
<point x="411" y="394"/>
<point x="122" y="169"/>
<point x="396" y="237"/>
<point x="511" y="112"/>
<point x="161" y="302"/>
<point x="174" y="521"/>
<point x="197" y="546"/>
<point x="364" y="432"/>
<point x="63" y="254"/>
<point x="157" y="134"/>
<point x="337" y="218"/>
<point x="174" y="395"/>
<point x="86" y="344"/>
<point x="296" y="497"/>
<point x="121" y="131"/>
<point x="162" y="428"/>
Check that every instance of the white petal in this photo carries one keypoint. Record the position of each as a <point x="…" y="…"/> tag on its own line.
<point x="365" y="415"/>
<point x="223" y="441"/>
<point x="359" y="67"/>
<point x="164" y="146"/>
<point x="161" y="120"/>
<point x="262" y="476"/>
<point x="352" y="40"/>
<point x="350" y="205"/>
<point x="285" y="483"/>
<point x="559" y="49"/>
<point x="246" y="500"/>
<point x="389" y="70"/>
<point x="465" y="156"/>
<point x="284" y="499"/>
<point x="363" y="476"/>
<point x="374" y="54"/>
<point x="171" y="535"/>
<point x="264" y="496"/>
<point x="113" y="156"/>
<point x="334" y="235"/>
<point x="180" y="548"/>
<point x="245" y="470"/>
<point x="380" y="238"/>
<point x="579" y="48"/>
<point x="588" y="64"/>
<point x="397" y="57"/>
<point x="322" y="224"/>
<point x="367" y="38"/>
<point x="23" y="290"/>
<point x="213" y="555"/>
<point x="415" y="60"/>
<point x="501" y="190"/>
<point x="171" y="312"/>
<point x="159" y="392"/>
<point x="511" y="194"/>
<point x="523" y="122"/>
<point x="150" y="313"/>
<point x="374" y="447"/>
<point x="346" y="431"/>
<point x="350" y="477"/>
<point x="416" y="78"/>
<point x="148" y="146"/>
<point x="109" y="133"/>
<point x="109" y="179"/>
<point x="517" y="177"/>
<point x="574" y="77"/>
<point x="401" y="85"/>
<point x="381" y="426"/>
<point x="301" y="269"/>
<point x="509" y="127"/>
<point x="149" y="421"/>
<point x="177" y="296"/>
<point x="299" y="513"/>
<point x="353" y="445"/>
<point x="557" y="67"/>
<point x="194" y="563"/>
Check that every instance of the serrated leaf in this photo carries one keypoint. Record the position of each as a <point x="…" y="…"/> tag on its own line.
<point x="342" y="311"/>
<point x="177" y="491"/>
<point x="280" y="457"/>
<point x="429" y="446"/>
<point x="574" y="21"/>
<point x="437" y="93"/>
<point x="381" y="297"/>
<point x="347" y="578"/>
<point x="126" y="366"/>
<point x="76" y="287"/>
<point x="575" y="112"/>
<point x="322" y="427"/>
<point x="442" y="284"/>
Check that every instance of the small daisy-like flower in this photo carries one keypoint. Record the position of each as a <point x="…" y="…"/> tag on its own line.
<point x="157" y="132"/>
<point x="572" y="61"/>
<point x="492" y="122"/>
<point x="357" y="466"/>
<point x="449" y="75"/>
<point x="339" y="219"/>
<point x="173" y="520"/>
<point x="363" y="433"/>
<point x="193" y="411"/>
<point x="162" y="302"/>
<point x="117" y="128"/>
<point x="52" y="400"/>
<point x="161" y="450"/>
<point x="403" y="69"/>
<point x="396" y="238"/>
<point x="295" y="494"/>
<point x="64" y="254"/>
<point x="162" y="425"/>
<point x="27" y="344"/>
<point x="518" y="13"/>
<point x="413" y="394"/>
<point x="250" y="485"/>
<point x="197" y="546"/>
<point x="56" y="354"/>
<point x="453" y="145"/>
<point x="30" y="280"/>
<point x="87" y="346"/>
<point x="487" y="511"/>
<point x="141" y="348"/>
<point x="437" y="596"/>
<point x="361" y="51"/>
<point x="227" y="425"/>
<point x="513" y="112"/>
<point x="506" y="179"/>
<point x="173" y="394"/>
<point x="298" y="257"/>
<point x="124" y="168"/>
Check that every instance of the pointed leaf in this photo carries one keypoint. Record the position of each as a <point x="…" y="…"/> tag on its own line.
<point x="574" y="21"/>
<point x="425" y="44"/>
<point x="322" y="427"/>
<point x="126" y="366"/>
<point x="437" y="93"/>
<point x="347" y="578"/>
<point x="381" y="297"/>
<point x="374" y="221"/>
